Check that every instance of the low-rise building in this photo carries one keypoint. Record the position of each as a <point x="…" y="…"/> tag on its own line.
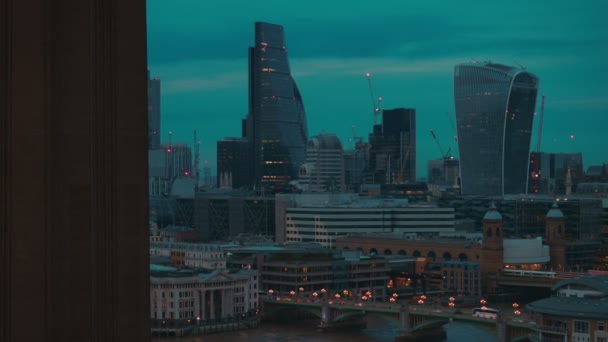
<point x="306" y="269"/>
<point x="197" y="255"/>
<point x="323" y="218"/>
<point x="189" y="295"/>
<point x="577" y="311"/>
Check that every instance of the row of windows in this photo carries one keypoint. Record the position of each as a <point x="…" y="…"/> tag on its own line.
<point x="417" y="226"/>
<point x="354" y="218"/>
<point x="294" y="213"/>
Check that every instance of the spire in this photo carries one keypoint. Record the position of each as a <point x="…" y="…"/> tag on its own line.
<point x="554" y="212"/>
<point x="492" y="213"/>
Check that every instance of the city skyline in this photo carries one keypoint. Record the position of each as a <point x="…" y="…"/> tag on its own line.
<point x="410" y="51"/>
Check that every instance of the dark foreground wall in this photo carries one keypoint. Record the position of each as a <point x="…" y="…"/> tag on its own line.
<point x="73" y="171"/>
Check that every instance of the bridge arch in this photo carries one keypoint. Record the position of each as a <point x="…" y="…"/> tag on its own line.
<point x="388" y="252"/>
<point x="373" y="251"/>
<point x="463" y="257"/>
<point x="431" y="255"/>
<point x="438" y="322"/>
<point x="416" y="253"/>
<point x="276" y="309"/>
<point x="390" y="319"/>
<point x="402" y="252"/>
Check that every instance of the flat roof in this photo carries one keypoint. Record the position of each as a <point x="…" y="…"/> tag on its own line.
<point x="572" y="307"/>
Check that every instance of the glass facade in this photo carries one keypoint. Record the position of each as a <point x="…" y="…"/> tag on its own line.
<point x="494" y="112"/>
<point x="276" y="124"/>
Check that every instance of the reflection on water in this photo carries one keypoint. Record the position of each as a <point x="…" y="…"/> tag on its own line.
<point x="378" y="331"/>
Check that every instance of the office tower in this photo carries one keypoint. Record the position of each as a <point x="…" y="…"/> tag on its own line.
<point x="233" y="163"/>
<point x="153" y="113"/>
<point x="494" y="112"/>
<point x="356" y="163"/>
<point x="324" y="167"/>
<point x="553" y="170"/>
<point x="443" y="172"/>
<point x="177" y="160"/>
<point x="74" y="262"/>
<point x="276" y="123"/>
<point x="393" y="151"/>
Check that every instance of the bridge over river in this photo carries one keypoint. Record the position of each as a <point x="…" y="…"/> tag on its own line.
<point x="413" y="321"/>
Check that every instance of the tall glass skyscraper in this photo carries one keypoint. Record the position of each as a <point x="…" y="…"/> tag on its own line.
<point x="494" y="113"/>
<point x="276" y="123"/>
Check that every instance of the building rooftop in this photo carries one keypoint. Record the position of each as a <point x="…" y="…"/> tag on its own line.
<point x="492" y="213"/>
<point x="571" y="307"/>
<point x="554" y="212"/>
<point x="577" y="307"/>
<point x="596" y="282"/>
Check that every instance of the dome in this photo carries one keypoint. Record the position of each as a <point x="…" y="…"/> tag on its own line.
<point x="325" y="142"/>
<point x="554" y="212"/>
<point x="492" y="213"/>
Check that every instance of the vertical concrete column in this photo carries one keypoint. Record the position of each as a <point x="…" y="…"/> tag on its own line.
<point x="203" y="304"/>
<point x="223" y="303"/>
<point x="325" y="313"/>
<point x="212" y="305"/>
<point x="404" y="320"/>
<point x="501" y="329"/>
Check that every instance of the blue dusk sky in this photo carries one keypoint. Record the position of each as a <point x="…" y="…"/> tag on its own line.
<point x="199" y="50"/>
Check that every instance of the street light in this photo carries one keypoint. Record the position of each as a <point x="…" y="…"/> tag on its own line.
<point x="516" y="309"/>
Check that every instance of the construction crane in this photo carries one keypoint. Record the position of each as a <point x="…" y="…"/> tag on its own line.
<point x="376" y="103"/>
<point x="197" y="146"/>
<point x="403" y="163"/>
<point x="536" y="161"/>
<point x="446" y="155"/>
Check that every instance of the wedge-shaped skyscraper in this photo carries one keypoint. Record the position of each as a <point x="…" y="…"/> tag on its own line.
<point x="495" y="107"/>
<point x="276" y="123"/>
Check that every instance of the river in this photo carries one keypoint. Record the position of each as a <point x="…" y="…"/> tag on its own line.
<point x="377" y="331"/>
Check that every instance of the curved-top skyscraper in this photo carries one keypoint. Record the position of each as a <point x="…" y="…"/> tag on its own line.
<point x="276" y="123"/>
<point x="495" y="107"/>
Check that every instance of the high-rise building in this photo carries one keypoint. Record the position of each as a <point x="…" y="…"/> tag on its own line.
<point x="153" y="113"/>
<point x="178" y="160"/>
<point x="356" y="166"/>
<point x="276" y="123"/>
<point x="233" y="163"/>
<point x="553" y="171"/>
<point x="393" y="151"/>
<point x="324" y="167"/>
<point x="494" y="112"/>
<point x="74" y="258"/>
